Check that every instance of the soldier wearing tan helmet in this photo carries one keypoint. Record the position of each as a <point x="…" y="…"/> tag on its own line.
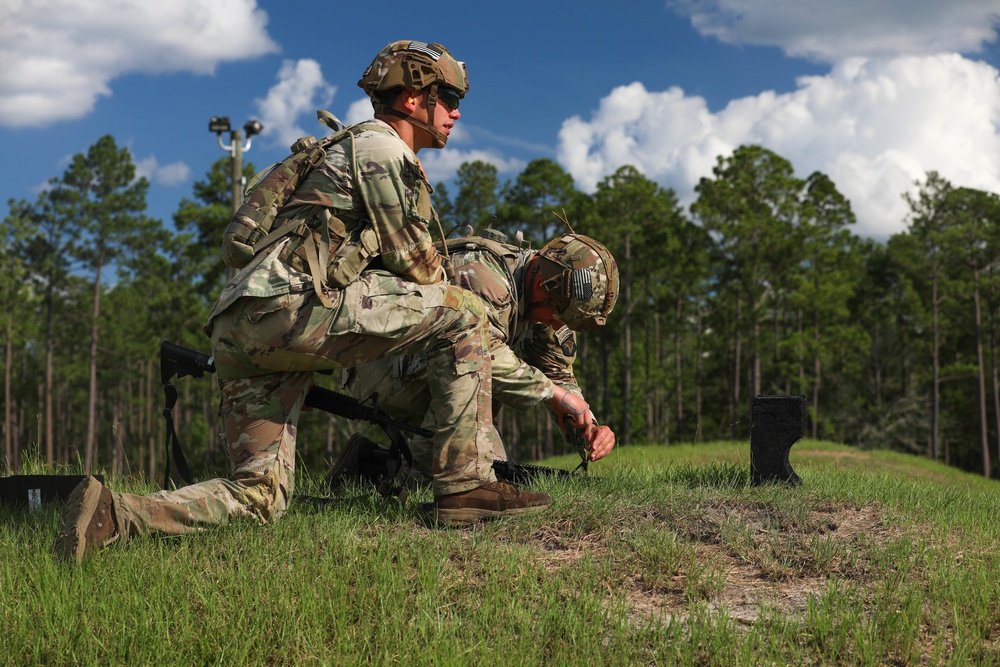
<point x="416" y="66"/>
<point x="535" y="301"/>
<point x="368" y="285"/>
<point x="580" y="279"/>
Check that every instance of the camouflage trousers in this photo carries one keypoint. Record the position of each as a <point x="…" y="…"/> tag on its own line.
<point x="402" y="387"/>
<point x="266" y="351"/>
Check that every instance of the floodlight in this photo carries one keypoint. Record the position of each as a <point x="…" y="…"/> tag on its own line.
<point x="252" y="127"/>
<point x="219" y="124"/>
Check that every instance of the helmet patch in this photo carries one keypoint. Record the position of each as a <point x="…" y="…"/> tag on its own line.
<point x="426" y="49"/>
<point x="580" y="285"/>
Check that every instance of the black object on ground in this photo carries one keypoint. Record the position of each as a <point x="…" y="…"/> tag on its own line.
<point x="776" y="424"/>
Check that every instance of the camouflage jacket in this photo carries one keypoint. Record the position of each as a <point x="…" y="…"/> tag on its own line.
<point x="527" y="357"/>
<point x="389" y="190"/>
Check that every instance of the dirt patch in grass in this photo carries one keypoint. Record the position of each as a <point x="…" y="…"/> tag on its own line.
<point x="740" y="559"/>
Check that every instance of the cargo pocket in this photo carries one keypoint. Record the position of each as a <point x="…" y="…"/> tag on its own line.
<point x="381" y="304"/>
<point x="257" y="308"/>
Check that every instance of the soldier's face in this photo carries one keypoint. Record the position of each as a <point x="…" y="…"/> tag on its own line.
<point x="541" y="308"/>
<point x="444" y="117"/>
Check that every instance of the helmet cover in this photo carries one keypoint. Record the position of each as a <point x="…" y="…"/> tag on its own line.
<point x="413" y="64"/>
<point x="582" y="277"/>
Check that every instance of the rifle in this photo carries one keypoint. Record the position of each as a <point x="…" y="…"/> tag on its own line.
<point x="177" y="361"/>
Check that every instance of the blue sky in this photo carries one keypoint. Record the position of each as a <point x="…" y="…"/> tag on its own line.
<point x="872" y="93"/>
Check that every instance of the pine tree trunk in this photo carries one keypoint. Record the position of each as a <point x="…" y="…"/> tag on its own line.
<point x="49" y="416"/>
<point x="996" y="378"/>
<point x="648" y="384"/>
<point x="605" y="376"/>
<point x="210" y="420"/>
<point x="737" y="367"/>
<point x="755" y="379"/>
<point x="984" y="439"/>
<point x="627" y="294"/>
<point x="697" y="376"/>
<point x="116" y="440"/>
<point x="92" y="402"/>
<point x="817" y="379"/>
<point x="150" y="431"/>
<point x="679" y="366"/>
<point x="8" y="416"/>
<point x="936" y="371"/>
<point x="537" y="448"/>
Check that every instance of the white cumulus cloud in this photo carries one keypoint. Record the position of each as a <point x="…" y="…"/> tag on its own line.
<point x="831" y="31"/>
<point x="360" y="110"/>
<point x="873" y="125"/>
<point x="442" y="165"/>
<point x="300" y="91"/>
<point x="170" y="175"/>
<point x="59" y="56"/>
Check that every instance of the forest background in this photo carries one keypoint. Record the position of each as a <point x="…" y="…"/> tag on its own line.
<point x="759" y="287"/>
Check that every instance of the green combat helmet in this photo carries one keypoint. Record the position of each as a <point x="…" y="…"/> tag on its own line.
<point x="581" y="276"/>
<point x="420" y="66"/>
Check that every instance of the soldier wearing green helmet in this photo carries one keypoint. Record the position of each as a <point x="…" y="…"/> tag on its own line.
<point x="535" y="301"/>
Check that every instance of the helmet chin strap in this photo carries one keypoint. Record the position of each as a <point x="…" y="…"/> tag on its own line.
<point x="440" y="139"/>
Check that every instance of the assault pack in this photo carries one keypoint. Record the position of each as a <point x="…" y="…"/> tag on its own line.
<point x="252" y="228"/>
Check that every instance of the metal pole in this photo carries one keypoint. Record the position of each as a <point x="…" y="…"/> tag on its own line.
<point x="237" y="162"/>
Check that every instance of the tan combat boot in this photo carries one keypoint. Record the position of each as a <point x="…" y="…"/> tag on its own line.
<point x="90" y="521"/>
<point x="490" y="501"/>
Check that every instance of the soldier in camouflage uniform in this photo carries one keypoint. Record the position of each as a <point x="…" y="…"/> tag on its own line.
<point x="535" y="301"/>
<point x="280" y="319"/>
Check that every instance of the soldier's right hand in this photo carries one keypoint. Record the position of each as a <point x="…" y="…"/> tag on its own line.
<point x="570" y="409"/>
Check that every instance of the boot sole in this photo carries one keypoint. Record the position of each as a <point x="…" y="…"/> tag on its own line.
<point x="471" y="516"/>
<point x="82" y="502"/>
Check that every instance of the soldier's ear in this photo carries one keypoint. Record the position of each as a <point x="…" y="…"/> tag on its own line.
<point x="409" y="99"/>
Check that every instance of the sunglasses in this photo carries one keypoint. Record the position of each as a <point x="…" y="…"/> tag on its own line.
<point x="449" y="97"/>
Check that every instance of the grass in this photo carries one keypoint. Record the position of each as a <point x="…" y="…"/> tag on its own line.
<point x="665" y="556"/>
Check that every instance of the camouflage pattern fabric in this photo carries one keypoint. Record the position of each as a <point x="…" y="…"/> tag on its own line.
<point x="270" y="333"/>
<point x="582" y="277"/>
<point x="390" y="190"/>
<point x="527" y="357"/>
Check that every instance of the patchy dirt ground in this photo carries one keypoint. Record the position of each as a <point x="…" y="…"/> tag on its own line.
<point x="769" y="564"/>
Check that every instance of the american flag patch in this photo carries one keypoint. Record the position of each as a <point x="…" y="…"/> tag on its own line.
<point x="425" y="48"/>
<point x="581" y="284"/>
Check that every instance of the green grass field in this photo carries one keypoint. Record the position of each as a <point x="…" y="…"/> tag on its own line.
<point x="663" y="556"/>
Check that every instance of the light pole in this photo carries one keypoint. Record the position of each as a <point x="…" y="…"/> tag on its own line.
<point x="235" y="148"/>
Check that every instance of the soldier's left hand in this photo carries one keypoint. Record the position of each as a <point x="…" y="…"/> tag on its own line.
<point x="600" y="439"/>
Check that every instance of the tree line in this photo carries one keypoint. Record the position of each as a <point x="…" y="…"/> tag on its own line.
<point x="759" y="287"/>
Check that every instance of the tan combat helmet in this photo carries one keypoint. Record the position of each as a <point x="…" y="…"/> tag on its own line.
<point x="420" y="66"/>
<point x="581" y="276"/>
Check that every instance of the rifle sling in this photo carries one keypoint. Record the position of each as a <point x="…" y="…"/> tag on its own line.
<point x="170" y="439"/>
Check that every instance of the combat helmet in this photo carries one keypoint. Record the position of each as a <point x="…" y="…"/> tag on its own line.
<point x="581" y="276"/>
<point x="417" y="65"/>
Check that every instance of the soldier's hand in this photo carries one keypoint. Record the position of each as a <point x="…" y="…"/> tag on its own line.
<point x="570" y="409"/>
<point x="600" y="439"/>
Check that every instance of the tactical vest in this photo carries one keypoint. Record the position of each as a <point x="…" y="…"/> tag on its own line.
<point x="511" y="257"/>
<point x="327" y="251"/>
